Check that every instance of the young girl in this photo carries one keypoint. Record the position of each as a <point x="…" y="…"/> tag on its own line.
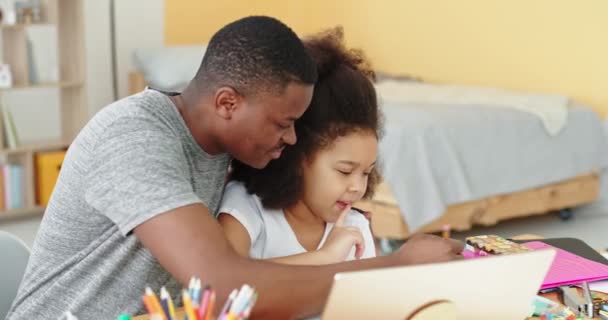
<point x="298" y="210"/>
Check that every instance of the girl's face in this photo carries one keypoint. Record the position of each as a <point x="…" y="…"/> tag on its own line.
<point x="337" y="175"/>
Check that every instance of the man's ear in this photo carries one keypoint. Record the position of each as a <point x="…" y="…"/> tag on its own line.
<point x="227" y="100"/>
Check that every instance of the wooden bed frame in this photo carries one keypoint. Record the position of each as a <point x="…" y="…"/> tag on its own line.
<point x="387" y="220"/>
<point x="388" y="223"/>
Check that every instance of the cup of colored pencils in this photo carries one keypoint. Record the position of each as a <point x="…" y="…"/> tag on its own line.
<point x="199" y="303"/>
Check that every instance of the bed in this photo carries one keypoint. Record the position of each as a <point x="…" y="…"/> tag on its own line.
<point x="472" y="165"/>
<point x="467" y="165"/>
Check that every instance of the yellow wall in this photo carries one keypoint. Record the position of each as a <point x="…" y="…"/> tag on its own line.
<point x="195" y="21"/>
<point x="558" y="46"/>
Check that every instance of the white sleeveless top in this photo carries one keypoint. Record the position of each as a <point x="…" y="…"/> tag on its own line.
<point x="270" y="233"/>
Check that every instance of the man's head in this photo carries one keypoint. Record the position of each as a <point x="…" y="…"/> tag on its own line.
<point x="259" y="78"/>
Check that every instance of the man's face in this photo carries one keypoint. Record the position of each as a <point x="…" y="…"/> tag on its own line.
<point x="264" y="124"/>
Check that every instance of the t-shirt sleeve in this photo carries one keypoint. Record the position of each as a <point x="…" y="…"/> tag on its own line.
<point x="139" y="171"/>
<point x="357" y="219"/>
<point x="243" y="206"/>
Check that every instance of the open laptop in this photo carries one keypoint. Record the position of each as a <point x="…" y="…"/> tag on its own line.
<point x="497" y="287"/>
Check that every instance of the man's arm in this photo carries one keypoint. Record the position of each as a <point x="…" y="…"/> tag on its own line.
<point x="188" y="241"/>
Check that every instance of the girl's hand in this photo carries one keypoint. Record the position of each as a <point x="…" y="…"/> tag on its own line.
<point x="341" y="240"/>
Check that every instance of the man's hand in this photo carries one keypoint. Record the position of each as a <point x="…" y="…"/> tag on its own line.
<point x="426" y="248"/>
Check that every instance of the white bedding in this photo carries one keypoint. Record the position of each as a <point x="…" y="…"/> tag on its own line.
<point x="169" y="68"/>
<point x="551" y="109"/>
<point x="434" y="155"/>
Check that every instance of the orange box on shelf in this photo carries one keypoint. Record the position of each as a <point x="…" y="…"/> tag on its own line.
<point x="48" y="165"/>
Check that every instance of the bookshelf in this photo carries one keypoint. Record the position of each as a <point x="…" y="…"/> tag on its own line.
<point x="64" y="84"/>
<point x="15" y="214"/>
<point x="66" y="19"/>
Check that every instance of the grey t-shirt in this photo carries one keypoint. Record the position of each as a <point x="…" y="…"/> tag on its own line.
<point x="134" y="160"/>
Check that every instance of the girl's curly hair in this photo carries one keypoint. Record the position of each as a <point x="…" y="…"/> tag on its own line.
<point x="344" y="101"/>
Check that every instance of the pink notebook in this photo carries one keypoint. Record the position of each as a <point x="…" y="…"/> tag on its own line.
<point x="568" y="268"/>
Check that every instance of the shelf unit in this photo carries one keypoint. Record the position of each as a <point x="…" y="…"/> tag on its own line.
<point x="67" y="17"/>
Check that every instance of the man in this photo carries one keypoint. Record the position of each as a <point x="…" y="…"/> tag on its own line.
<point x="134" y="203"/>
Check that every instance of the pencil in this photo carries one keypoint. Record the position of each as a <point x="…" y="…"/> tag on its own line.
<point x="231" y="316"/>
<point x="191" y="286"/>
<point x="188" y="306"/>
<point x="210" y="307"/>
<point x="241" y="299"/>
<point x="247" y="312"/>
<point x="202" y="310"/>
<point x="167" y="302"/>
<point x="446" y="231"/>
<point x="154" y="302"/>
<point x="228" y="303"/>
<point x="196" y="295"/>
<point x="148" y="304"/>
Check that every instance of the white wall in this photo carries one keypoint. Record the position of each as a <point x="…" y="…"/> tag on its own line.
<point x="139" y="24"/>
<point x="98" y="54"/>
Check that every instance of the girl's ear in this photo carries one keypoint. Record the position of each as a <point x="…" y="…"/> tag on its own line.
<point x="306" y="162"/>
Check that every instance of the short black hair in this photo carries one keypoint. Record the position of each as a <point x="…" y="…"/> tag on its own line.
<point x="344" y="101"/>
<point x="255" y="54"/>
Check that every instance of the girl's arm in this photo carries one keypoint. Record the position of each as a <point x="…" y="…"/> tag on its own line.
<point x="336" y="248"/>
<point x="236" y="233"/>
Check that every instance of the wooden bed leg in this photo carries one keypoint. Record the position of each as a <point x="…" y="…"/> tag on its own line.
<point x="385" y="246"/>
<point x="566" y="214"/>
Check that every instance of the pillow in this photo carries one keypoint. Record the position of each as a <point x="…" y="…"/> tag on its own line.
<point x="384" y="76"/>
<point x="169" y="68"/>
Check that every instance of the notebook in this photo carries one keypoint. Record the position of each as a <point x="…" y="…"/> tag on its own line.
<point x="569" y="268"/>
<point x="574" y="245"/>
<point x="496" y="287"/>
